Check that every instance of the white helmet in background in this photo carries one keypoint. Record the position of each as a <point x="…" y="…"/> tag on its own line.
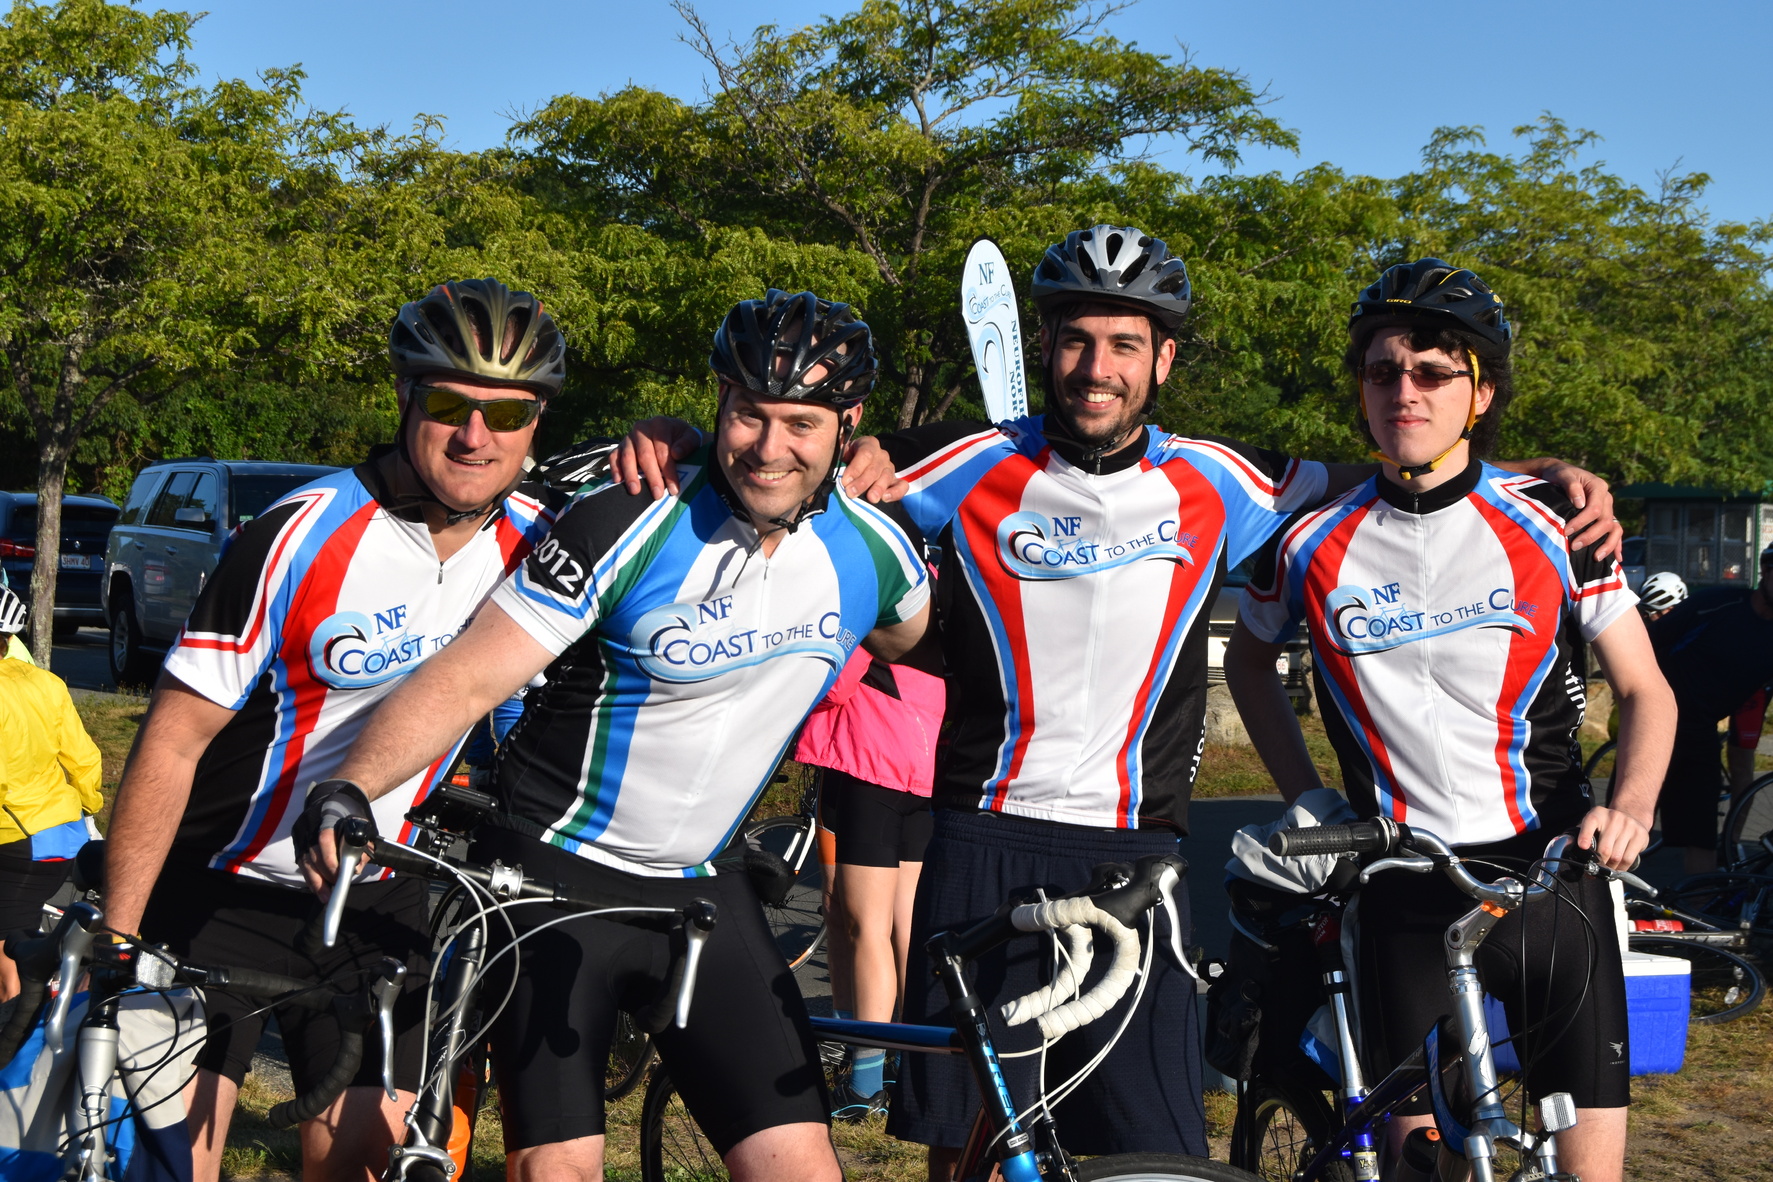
<point x="12" y="613"/>
<point x="1662" y="591"/>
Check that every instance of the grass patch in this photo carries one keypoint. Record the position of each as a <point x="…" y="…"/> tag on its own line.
<point x="112" y="721"/>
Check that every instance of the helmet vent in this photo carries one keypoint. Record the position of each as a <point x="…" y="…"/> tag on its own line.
<point x="480" y="320"/>
<point x="1132" y="272"/>
<point x="1087" y="265"/>
<point x="446" y="334"/>
<point x="516" y="324"/>
<point x="1114" y="245"/>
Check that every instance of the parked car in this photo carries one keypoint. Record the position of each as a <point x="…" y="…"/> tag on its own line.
<point x="169" y="538"/>
<point x="1294" y="665"/>
<point x="1631" y="562"/>
<point x="86" y="522"/>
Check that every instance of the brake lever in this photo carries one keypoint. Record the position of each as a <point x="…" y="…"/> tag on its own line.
<point x="698" y="922"/>
<point x="1167" y="882"/>
<point x="1413" y="865"/>
<point x="76" y="947"/>
<point x="385" y="990"/>
<point x="353" y="848"/>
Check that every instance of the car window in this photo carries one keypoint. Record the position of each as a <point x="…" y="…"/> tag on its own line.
<point x="254" y="494"/>
<point x="1242" y="573"/>
<point x="206" y="498"/>
<point x="139" y="494"/>
<point x="172" y="500"/>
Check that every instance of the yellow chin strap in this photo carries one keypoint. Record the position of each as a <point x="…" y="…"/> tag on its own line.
<point x="1471" y="418"/>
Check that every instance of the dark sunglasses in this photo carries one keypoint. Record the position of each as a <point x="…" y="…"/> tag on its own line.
<point x="1426" y="376"/>
<point x="501" y="414"/>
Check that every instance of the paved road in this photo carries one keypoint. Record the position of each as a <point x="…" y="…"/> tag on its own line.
<point x="80" y="660"/>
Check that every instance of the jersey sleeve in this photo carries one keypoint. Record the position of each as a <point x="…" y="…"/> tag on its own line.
<point x="1597" y="590"/>
<point x="577" y="573"/>
<point x="897" y="545"/>
<point x="942" y="462"/>
<point x="1260" y="488"/>
<point x="1270" y="606"/>
<point x="236" y="626"/>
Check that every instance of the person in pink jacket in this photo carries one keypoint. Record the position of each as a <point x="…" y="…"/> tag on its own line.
<point x="875" y="737"/>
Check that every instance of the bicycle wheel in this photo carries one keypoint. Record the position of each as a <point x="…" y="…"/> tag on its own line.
<point x="1599" y="768"/>
<point x="1750" y="819"/>
<point x="672" y="1148"/>
<point x="1279" y="1128"/>
<point x="1157" y="1167"/>
<point x="1727" y="899"/>
<point x="798" y="922"/>
<point x="1725" y="986"/>
<point x="630" y="1054"/>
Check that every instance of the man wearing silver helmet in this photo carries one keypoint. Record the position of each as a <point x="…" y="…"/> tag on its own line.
<point x="1084" y="551"/>
<point x="685" y="641"/>
<point x="319" y="608"/>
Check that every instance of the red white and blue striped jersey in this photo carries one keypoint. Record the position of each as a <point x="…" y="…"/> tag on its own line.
<point x="1075" y="605"/>
<point x="318" y="609"/>
<point x="1446" y="629"/>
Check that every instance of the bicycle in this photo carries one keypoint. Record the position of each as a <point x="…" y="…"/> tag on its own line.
<point x="431" y="1150"/>
<point x="1745" y="831"/>
<point x="1287" y="1133"/>
<point x="120" y="1047"/>
<point x="1018" y="1145"/>
<point x="792" y="894"/>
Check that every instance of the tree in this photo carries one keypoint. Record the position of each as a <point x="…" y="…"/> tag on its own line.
<point x="898" y="133"/>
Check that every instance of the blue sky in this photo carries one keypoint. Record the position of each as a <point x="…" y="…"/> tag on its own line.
<point x="1667" y="84"/>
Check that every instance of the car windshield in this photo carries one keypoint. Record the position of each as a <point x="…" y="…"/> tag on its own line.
<point x="255" y="493"/>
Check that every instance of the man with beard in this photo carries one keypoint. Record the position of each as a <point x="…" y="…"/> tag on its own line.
<point x="1083" y="551"/>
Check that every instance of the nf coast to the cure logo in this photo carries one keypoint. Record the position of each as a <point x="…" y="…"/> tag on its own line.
<point x="350" y="650"/>
<point x="695" y="641"/>
<point x="1034" y="546"/>
<point x="1374" y="619"/>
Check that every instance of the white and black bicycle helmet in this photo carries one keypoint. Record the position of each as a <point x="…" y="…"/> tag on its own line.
<point x="12" y="612"/>
<point x="806" y="332"/>
<point x="1662" y="591"/>
<point x="481" y="330"/>
<point x="1115" y="264"/>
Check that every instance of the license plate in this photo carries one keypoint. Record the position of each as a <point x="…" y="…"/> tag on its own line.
<point x="78" y="562"/>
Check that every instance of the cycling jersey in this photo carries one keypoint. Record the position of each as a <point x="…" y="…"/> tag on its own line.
<point x="317" y="610"/>
<point x="1446" y="630"/>
<point x="1075" y="616"/>
<point x="687" y="658"/>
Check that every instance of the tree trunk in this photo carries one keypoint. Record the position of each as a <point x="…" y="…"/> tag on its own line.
<point x="913" y="396"/>
<point x="52" y="476"/>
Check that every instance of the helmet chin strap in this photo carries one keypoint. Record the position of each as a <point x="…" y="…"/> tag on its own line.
<point x="1413" y="471"/>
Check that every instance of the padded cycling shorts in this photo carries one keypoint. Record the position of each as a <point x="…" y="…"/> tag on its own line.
<point x="746" y="1062"/>
<point x="1559" y="979"/>
<point x="875" y="826"/>
<point x="213" y="917"/>
<point x="1146" y="1096"/>
<point x="25" y="886"/>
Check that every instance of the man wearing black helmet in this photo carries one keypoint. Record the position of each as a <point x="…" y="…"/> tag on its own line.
<point x="1084" y="550"/>
<point x="1448" y="619"/>
<point x="685" y="640"/>
<point x="319" y="607"/>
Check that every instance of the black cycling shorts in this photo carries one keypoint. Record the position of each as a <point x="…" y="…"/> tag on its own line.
<point x="25" y="886"/>
<point x="1690" y="793"/>
<point x="746" y="1061"/>
<point x="212" y="917"/>
<point x="1564" y="991"/>
<point x="875" y="826"/>
<point x="1146" y="1095"/>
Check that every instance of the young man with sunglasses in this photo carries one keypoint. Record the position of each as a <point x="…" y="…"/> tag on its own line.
<point x="685" y="641"/>
<point x="1083" y="550"/>
<point x="318" y="609"/>
<point x="1447" y="616"/>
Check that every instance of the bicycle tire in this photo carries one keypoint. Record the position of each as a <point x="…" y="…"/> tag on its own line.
<point x="1600" y="766"/>
<point x="1725" y="987"/>
<point x="672" y="1147"/>
<point x="1278" y="1129"/>
<point x="798" y="922"/>
<point x="630" y="1054"/>
<point x="1157" y="1167"/>
<point x="1750" y="818"/>
<point x="1726" y="898"/>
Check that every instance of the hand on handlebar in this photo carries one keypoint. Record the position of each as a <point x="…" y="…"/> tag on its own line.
<point x="330" y="803"/>
<point x="1618" y="837"/>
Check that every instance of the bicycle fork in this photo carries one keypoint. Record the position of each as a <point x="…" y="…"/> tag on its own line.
<point x="1326" y="935"/>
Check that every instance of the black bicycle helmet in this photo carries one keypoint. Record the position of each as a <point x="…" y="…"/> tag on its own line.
<point x="807" y="332"/>
<point x="482" y="330"/>
<point x="1120" y="264"/>
<point x="1428" y="287"/>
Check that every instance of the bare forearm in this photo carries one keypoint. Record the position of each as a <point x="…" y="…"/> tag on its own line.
<point x="1268" y="714"/>
<point x="150" y="804"/>
<point x="1646" y="737"/>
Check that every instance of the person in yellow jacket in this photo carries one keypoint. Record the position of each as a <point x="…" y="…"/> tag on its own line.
<point x="49" y="784"/>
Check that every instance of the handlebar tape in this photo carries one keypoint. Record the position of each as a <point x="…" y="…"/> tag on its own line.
<point x="1055" y="1020"/>
<point x="320" y="1097"/>
<point x="1360" y="837"/>
<point x="270" y="985"/>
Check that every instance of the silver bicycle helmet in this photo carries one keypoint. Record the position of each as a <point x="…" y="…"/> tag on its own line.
<point x="1662" y="591"/>
<point x="12" y="612"/>
<point x="1117" y="264"/>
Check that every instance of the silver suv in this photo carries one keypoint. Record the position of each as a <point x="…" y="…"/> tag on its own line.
<point x="167" y="540"/>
